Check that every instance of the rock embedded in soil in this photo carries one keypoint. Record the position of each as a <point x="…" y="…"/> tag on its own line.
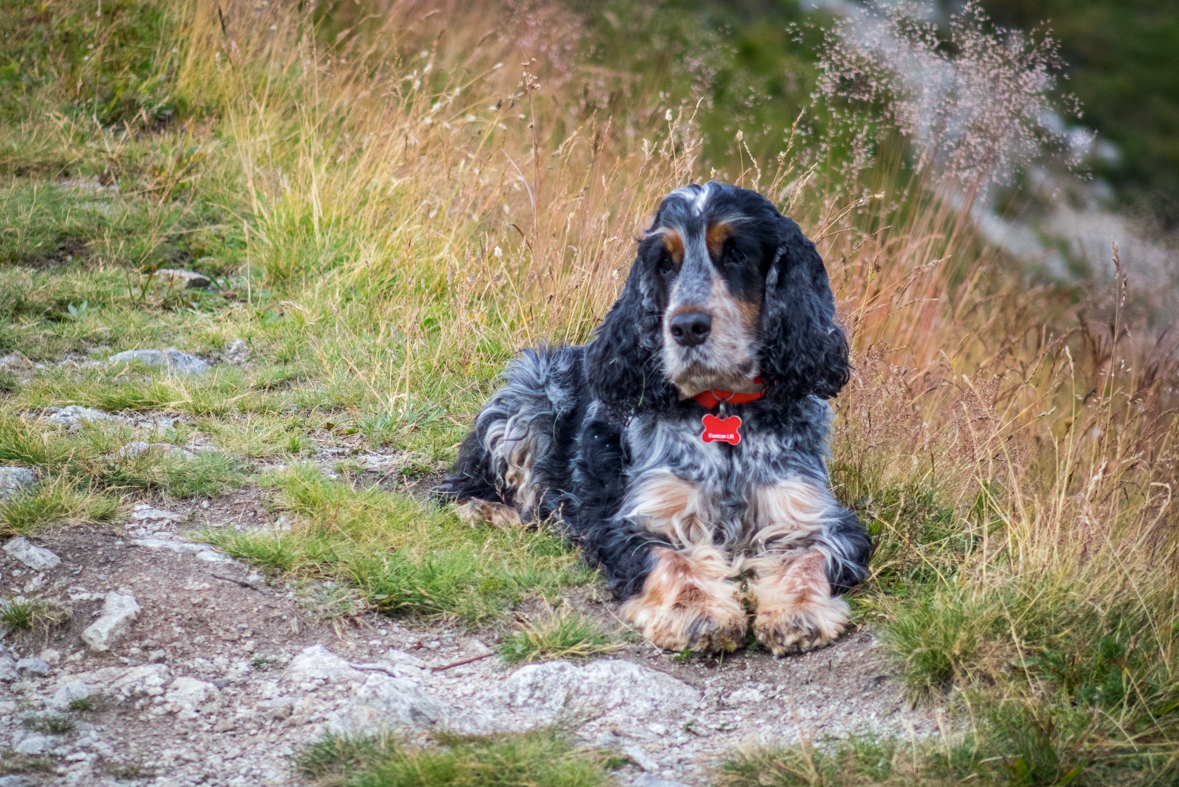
<point x="138" y="448"/>
<point x="187" y="693"/>
<point x="32" y="666"/>
<point x="74" y="416"/>
<point x="237" y="353"/>
<point x="7" y="666"/>
<point x="13" y="479"/>
<point x="175" y="360"/>
<point x="607" y="686"/>
<point x="201" y="551"/>
<point x="145" y="513"/>
<point x="384" y="704"/>
<point x="36" y="558"/>
<point x="189" y="280"/>
<point x="118" y="613"/>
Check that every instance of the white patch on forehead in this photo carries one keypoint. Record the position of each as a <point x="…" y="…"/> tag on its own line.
<point x="695" y="196"/>
<point x="702" y="198"/>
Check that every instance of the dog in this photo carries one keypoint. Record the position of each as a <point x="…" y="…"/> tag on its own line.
<point x="684" y="449"/>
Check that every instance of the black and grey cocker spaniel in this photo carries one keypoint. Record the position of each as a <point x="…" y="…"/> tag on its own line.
<point x="684" y="449"/>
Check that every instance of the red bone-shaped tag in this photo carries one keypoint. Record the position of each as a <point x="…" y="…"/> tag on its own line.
<point x="721" y="430"/>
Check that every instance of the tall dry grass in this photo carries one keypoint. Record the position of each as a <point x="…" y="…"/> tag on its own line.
<point x="436" y="186"/>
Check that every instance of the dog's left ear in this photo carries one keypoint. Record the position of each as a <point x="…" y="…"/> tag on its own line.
<point x="804" y="351"/>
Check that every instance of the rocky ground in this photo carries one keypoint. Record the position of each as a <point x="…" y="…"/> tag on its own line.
<point x="166" y="662"/>
<point x="178" y="665"/>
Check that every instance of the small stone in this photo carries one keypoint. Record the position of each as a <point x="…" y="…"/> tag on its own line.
<point x="201" y="551"/>
<point x="74" y="416"/>
<point x="144" y="513"/>
<point x="74" y="690"/>
<point x="175" y="360"/>
<point x="138" y="448"/>
<point x="475" y="647"/>
<point x="238" y="352"/>
<point x="33" y="744"/>
<point x="745" y="697"/>
<point x="13" y="361"/>
<point x="36" y="558"/>
<point x="118" y="613"/>
<point x="12" y="479"/>
<point x="32" y="666"/>
<point x="51" y="656"/>
<point x="188" y="693"/>
<point x="7" y="666"/>
<point x="641" y="758"/>
<point x="189" y="280"/>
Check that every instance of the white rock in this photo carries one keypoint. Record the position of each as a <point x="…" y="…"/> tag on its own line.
<point x="202" y="551"/>
<point x="36" y="558"/>
<point x="238" y="352"/>
<point x="185" y="279"/>
<point x="74" y="416"/>
<point x="175" y="360"/>
<point x="32" y="666"/>
<point x="386" y="703"/>
<point x="641" y="757"/>
<point x="7" y="666"/>
<point x="608" y="686"/>
<point x="118" y="613"/>
<point x="126" y="681"/>
<point x="138" y="448"/>
<point x="145" y="513"/>
<point x="747" y="696"/>
<point x="34" y="744"/>
<point x="74" y="690"/>
<point x="12" y="479"/>
<point x="188" y="693"/>
<point x="319" y="663"/>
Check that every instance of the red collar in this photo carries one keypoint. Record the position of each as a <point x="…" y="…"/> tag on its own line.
<point x="712" y="398"/>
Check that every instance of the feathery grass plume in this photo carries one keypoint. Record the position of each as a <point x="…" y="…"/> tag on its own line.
<point x="975" y="104"/>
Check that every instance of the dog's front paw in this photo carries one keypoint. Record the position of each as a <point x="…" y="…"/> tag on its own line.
<point x="795" y="625"/>
<point x="687" y="603"/>
<point x="795" y="609"/>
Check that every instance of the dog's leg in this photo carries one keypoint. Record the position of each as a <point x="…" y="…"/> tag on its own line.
<point x="806" y="545"/>
<point x="688" y="601"/>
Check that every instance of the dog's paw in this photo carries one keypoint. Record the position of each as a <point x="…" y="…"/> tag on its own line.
<point x="798" y="624"/>
<point x="685" y="605"/>
<point x="477" y="512"/>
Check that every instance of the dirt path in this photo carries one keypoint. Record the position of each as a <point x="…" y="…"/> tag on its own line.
<point x="225" y="673"/>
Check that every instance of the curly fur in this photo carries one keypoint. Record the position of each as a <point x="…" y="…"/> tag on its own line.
<point x="604" y="439"/>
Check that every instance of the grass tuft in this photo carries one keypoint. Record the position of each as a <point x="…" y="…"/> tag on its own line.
<point x="566" y="634"/>
<point x="540" y="758"/>
<point x="35" y="616"/>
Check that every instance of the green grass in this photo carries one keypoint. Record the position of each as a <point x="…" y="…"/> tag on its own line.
<point x="563" y="634"/>
<point x="402" y="556"/>
<point x="52" y="723"/>
<point x="35" y="616"/>
<point x="540" y="758"/>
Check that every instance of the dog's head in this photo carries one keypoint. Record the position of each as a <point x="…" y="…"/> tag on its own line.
<point x="724" y="289"/>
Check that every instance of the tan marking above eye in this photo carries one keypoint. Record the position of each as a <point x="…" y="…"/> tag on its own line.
<point x="674" y="245"/>
<point x="716" y="235"/>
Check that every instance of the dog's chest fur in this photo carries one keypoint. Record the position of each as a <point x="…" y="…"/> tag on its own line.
<point x="716" y="492"/>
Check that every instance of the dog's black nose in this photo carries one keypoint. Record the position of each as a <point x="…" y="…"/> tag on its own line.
<point x="691" y="328"/>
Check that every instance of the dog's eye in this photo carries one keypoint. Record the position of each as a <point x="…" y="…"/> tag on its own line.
<point x="734" y="255"/>
<point x="666" y="264"/>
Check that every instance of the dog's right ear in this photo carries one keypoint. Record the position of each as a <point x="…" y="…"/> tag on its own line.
<point x="623" y="363"/>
